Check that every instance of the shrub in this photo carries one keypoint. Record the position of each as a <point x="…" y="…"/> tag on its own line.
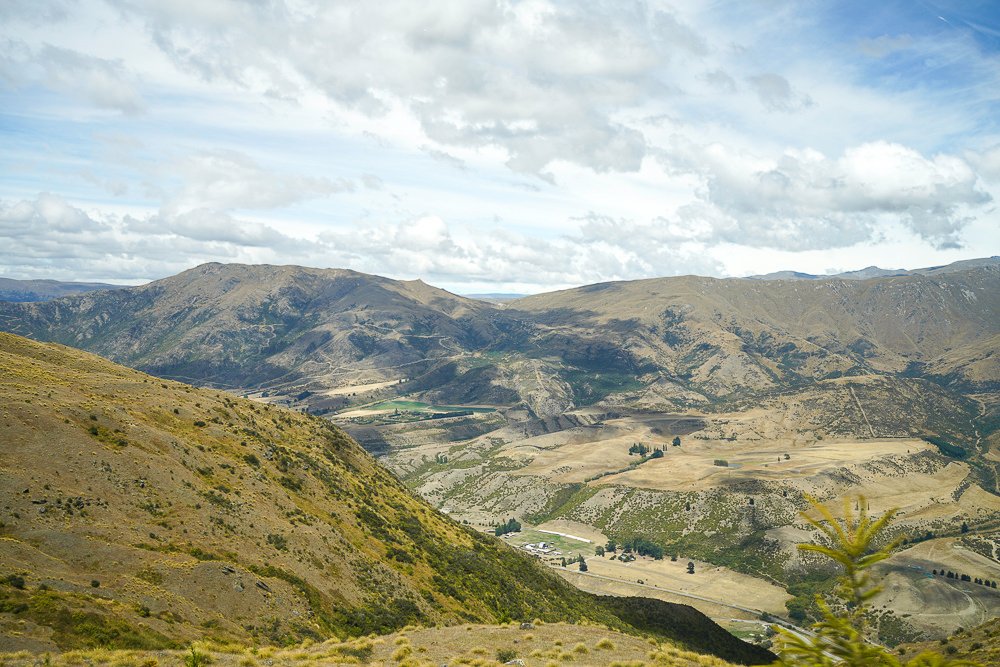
<point x="506" y="655"/>
<point x="840" y="637"/>
<point x="196" y="658"/>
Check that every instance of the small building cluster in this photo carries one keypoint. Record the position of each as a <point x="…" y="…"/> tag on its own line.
<point x="542" y="549"/>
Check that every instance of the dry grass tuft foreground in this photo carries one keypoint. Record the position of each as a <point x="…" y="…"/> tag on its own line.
<point x="543" y="644"/>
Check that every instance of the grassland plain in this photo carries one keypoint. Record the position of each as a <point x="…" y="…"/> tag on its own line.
<point x="144" y="514"/>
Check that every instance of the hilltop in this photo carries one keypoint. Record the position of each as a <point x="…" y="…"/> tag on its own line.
<point x="143" y="513"/>
<point x="237" y="325"/>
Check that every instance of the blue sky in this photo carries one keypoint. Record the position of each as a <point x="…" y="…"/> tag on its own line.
<point x="496" y="146"/>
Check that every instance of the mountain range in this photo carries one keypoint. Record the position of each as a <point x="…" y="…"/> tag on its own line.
<point x="658" y="344"/>
<point x="171" y="479"/>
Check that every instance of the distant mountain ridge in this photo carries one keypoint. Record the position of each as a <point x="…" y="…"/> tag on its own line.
<point x="46" y="290"/>
<point x="876" y="272"/>
<point x="666" y="344"/>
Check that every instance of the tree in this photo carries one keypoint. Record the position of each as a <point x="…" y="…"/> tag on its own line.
<point x="677" y="441"/>
<point x="690" y="567"/>
<point x="511" y="526"/>
<point x="583" y="565"/>
<point x="840" y="637"/>
<point x="965" y="527"/>
<point x="611" y="545"/>
<point x="598" y="550"/>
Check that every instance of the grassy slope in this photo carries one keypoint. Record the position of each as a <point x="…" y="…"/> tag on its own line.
<point x="199" y="515"/>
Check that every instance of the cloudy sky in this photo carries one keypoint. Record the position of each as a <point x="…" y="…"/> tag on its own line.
<point x="497" y="145"/>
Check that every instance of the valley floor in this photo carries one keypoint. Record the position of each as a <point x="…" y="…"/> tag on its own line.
<point x="733" y="476"/>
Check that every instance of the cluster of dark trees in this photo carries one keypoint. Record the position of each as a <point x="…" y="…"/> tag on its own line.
<point x="577" y="559"/>
<point x="964" y="577"/>
<point x="639" y="545"/>
<point x="512" y="526"/>
<point x="643" y="450"/>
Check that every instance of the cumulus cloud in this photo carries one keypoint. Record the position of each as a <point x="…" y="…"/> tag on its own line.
<point x="643" y="137"/>
<point x="987" y="163"/>
<point x="65" y="241"/>
<point x="804" y="200"/>
<point x="50" y="237"/>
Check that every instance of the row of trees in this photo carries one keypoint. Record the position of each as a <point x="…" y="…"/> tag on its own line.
<point x="964" y="577"/>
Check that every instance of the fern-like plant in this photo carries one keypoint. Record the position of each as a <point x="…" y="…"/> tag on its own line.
<point x="839" y="639"/>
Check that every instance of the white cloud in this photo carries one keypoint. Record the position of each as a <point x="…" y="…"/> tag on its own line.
<point x="515" y="141"/>
<point x="225" y="179"/>
<point x="801" y="199"/>
<point x="105" y="83"/>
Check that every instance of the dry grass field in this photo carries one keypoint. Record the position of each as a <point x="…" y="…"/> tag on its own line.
<point x="663" y="579"/>
<point x="477" y="645"/>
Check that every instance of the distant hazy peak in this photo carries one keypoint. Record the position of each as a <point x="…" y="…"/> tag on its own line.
<point x="876" y="272"/>
<point x="46" y="290"/>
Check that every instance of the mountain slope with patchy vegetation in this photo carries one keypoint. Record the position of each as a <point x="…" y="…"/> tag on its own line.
<point x="141" y="513"/>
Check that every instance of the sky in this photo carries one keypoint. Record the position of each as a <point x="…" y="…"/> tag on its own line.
<point x="497" y="146"/>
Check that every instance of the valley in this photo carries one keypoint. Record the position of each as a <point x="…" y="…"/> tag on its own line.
<point x="699" y="415"/>
<point x="727" y="497"/>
